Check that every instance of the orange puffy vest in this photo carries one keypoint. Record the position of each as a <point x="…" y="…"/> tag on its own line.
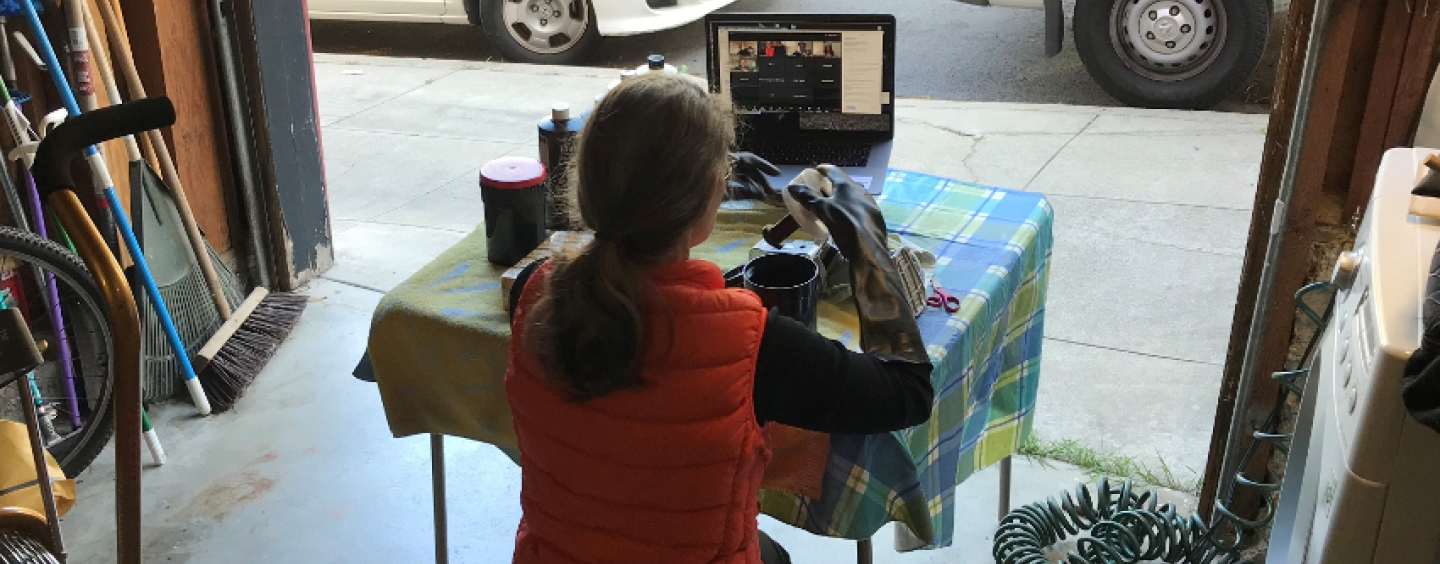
<point x="662" y="474"/>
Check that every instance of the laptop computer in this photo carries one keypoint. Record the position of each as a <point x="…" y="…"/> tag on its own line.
<point x="809" y="89"/>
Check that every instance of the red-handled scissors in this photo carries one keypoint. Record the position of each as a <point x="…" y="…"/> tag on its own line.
<point x="943" y="300"/>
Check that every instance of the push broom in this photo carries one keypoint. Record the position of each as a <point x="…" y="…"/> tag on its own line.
<point x="231" y="360"/>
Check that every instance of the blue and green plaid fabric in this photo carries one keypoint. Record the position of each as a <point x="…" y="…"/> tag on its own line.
<point x="438" y="344"/>
<point x="993" y="251"/>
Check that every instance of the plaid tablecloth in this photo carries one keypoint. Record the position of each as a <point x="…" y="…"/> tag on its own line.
<point x="438" y="349"/>
<point x="992" y="249"/>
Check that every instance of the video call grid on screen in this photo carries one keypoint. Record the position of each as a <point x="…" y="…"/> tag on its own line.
<point x="807" y="71"/>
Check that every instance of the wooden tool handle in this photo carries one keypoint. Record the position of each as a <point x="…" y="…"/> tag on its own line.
<point x="776" y="234"/>
<point x="120" y="40"/>
<point x="99" y="56"/>
<point x="212" y="347"/>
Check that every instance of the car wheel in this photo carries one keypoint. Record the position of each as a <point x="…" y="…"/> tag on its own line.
<point x="1171" y="53"/>
<point x="543" y="32"/>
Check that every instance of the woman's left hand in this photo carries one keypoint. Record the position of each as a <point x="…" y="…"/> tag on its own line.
<point x="748" y="178"/>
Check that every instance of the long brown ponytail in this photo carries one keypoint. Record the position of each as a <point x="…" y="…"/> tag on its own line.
<point x="648" y="162"/>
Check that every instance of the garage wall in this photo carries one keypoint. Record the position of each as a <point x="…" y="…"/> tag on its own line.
<point x="172" y="46"/>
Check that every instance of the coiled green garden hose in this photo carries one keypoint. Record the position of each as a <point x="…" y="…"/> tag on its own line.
<point x="1126" y="527"/>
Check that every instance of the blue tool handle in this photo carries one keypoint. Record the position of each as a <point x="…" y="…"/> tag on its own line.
<point x="150" y="289"/>
<point x="62" y="86"/>
<point x="163" y="313"/>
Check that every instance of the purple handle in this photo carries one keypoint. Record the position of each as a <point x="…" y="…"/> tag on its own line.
<point x="52" y="295"/>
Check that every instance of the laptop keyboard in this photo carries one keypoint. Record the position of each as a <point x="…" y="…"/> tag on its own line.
<point x="812" y="153"/>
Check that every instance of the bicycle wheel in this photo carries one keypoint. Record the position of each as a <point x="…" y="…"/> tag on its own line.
<point x="78" y="409"/>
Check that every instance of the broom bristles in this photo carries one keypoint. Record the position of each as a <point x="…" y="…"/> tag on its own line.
<point x="245" y="354"/>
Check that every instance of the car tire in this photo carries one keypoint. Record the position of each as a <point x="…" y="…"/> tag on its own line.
<point x="1186" y="54"/>
<point x="523" y="34"/>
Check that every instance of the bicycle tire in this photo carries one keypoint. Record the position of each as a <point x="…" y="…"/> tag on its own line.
<point x="74" y="452"/>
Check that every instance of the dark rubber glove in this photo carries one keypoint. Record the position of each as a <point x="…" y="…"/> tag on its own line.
<point x="747" y="178"/>
<point x="887" y="324"/>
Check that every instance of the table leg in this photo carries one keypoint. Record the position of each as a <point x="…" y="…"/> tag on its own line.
<point x="864" y="554"/>
<point x="437" y="484"/>
<point x="1004" y="487"/>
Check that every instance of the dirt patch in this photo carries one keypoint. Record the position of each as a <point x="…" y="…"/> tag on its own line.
<point x="237" y="488"/>
<point x="217" y="501"/>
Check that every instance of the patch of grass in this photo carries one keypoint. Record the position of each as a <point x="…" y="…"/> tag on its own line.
<point x="1115" y="465"/>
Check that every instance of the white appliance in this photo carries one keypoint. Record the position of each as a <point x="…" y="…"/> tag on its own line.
<point x="1363" y="479"/>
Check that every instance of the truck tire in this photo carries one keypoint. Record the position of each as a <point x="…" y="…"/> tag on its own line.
<point x="541" y="32"/>
<point x="1188" y="54"/>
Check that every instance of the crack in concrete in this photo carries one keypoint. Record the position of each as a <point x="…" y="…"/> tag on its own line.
<point x="1163" y="133"/>
<point x="974" y="138"/>
<point x="433" y="190"/>
<point x="965" y="161"/>
<point x="353" y="284"/>
<point x="1072" y="139"/>
<point x="1149" y="202"/>
<point x="1240" y="254"/>
<point x="957" y="132"/>
<point x="430" y="227"/>
<point x="390" y="99"/>
<point x="1134" y="352"/>
<point x="440" y="136"/>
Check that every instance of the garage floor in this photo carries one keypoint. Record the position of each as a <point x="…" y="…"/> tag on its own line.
<point x="1152" y="209"/>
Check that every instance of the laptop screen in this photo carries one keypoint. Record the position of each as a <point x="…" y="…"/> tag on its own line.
<point x="818" y="74"/>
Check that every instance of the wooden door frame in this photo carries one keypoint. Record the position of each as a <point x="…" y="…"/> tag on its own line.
<point x="1377" y="60"/>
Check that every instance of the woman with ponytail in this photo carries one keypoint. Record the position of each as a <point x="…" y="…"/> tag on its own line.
<point x="638" y="383"/>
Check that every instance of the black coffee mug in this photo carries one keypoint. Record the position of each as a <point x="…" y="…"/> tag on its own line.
<point x="787" y="282"/>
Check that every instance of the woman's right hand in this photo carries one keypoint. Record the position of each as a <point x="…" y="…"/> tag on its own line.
<point x="848" y="212"/>
<point x="887" y="324"/>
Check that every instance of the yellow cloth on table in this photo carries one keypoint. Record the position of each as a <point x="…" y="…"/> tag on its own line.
<point x="439" y="342"/>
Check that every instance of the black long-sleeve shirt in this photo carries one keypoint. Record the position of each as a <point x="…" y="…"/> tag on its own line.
<point x="805" y="380"/>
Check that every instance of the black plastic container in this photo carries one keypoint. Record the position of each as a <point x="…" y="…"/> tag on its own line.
<point x="557" y="142"/>
<point x="513" y="189"/>
<point x="785" y="281"/>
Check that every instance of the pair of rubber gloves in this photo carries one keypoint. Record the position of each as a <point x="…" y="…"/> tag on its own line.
<point x="887" y="324"/>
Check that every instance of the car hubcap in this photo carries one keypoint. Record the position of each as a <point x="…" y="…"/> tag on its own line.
<point x="546" y="26"/>
<point x="1168" y="40"/>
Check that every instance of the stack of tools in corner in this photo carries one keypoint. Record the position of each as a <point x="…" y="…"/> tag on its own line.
<point x="242" y="340"/>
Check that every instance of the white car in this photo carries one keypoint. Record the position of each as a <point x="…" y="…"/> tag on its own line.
<point x="531" y="31"/>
